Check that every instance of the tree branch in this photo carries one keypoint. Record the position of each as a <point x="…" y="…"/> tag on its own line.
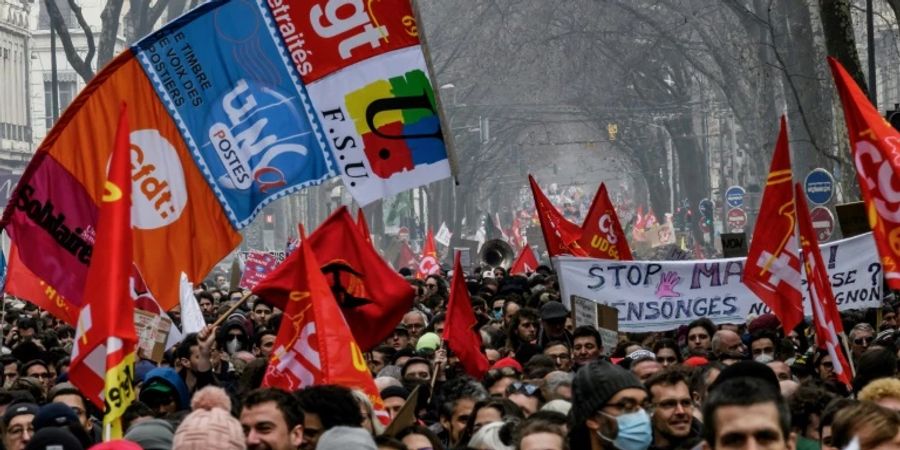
<point x="58" y="22"/>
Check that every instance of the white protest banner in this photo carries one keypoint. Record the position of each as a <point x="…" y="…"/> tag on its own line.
<point x="443" y="235"/>
<point x="662" y="295"/>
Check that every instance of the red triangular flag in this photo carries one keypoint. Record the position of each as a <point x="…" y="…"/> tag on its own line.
<point x="363" y="225"/>
<point x="460" y="330"/>
<point x="560" y="235"/>
<point x="826" y="317"/>
<point x="371" y="295"/>
<point x="525" y="263"/>
<point x="314" y="345"/>
<point x="428" y="264"/>
<point x="602" y="236"/>
<point x="105" y="340"/>
<point x="875" y="146"/>
<point x="772" y="270"/>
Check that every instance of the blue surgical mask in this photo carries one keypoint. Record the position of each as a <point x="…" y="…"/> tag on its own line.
<point x="635" y="431"/>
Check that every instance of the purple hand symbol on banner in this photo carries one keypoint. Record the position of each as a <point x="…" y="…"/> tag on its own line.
<point x="666" y="286"/>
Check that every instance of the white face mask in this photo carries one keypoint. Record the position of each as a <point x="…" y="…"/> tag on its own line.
<point x="764" y="358"/>
<point x="233" y="346"/>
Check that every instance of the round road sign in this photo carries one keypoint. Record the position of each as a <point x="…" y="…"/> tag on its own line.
<point x="737" y="220"/>
<point x="819" y="186"/>
<point x="822" y="222"/>
<point x="734" y="196"/>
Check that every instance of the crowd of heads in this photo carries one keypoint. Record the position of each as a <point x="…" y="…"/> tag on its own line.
<point x="551" y="385"/>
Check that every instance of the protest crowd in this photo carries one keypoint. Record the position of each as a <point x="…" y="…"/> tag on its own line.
<point x="549" y="385"/>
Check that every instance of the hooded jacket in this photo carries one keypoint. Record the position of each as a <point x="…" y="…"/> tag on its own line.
<point x="171" y="378"/>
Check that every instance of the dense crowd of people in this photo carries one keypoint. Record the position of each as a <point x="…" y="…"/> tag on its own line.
<point x="550" y="386"/>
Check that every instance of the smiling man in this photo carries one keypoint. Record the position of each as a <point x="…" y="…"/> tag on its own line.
<point x="672" y="411"/>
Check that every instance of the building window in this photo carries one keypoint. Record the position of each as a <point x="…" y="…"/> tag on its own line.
<point x="66" y="94"/>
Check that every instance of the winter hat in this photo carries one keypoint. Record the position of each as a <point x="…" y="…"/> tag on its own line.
<point x="342" y="438"/>
<point x="595" y="384"/>
<point x="508" y="362"/>
<point x="152" y="434"/>
<point x="54" y="415"/>
<point x="53" y="438"/>
<point x="428" y="341"/>
<point x="394" y="391"/>
<point x="210" y="425"/>
<point x="17" y="409"/>
<point x="118" y="444"/>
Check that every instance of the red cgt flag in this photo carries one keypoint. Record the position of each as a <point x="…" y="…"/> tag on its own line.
<point x="560" y="235"/>
<point x="602" y="232"/>
<point x="314" y="345"/>
<point x="371" y="295"/>
<point x="460" y="331"/>
<point x="875" y="146"/>
<point x="428" y="264"/>
<point x="772" y="270"/>
<point x="105" y="340"/>
<point x="525" y="263"/>
<point x="825" y="313"/>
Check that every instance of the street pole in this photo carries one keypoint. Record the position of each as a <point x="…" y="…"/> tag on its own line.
<point x="870" y="44"/>
<point x="54" y="80"/>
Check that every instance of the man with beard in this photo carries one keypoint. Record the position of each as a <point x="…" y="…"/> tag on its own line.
<point x="271" y="420"/>
<point x="674" y="426"/>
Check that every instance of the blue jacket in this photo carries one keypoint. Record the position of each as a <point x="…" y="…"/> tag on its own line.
<point x="170" y="377"/>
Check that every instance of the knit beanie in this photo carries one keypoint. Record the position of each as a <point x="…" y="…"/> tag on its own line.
<point x="210" y="425"/>
<point x="343" y="438"/>
<point x="595" y="384"/>
<point x="54" y="438"/>
<point x="153" y="434"/>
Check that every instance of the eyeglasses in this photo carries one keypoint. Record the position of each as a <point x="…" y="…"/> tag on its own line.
<point x="685" y="403"/>
<point x="560" y="357"/>
<point x="522" y="388"/>
<point x="19" y="430"/>
<point x="863" y="340"/>
<point x="627" y="405"/>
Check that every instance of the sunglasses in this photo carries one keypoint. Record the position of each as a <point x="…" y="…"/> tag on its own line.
<point x="863" y="340"/>
<point x="522" y="388"/>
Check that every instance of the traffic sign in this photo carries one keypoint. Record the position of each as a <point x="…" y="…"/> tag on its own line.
<point x="737" y="220"/>
<point x="734" y="196"/>
<point x="822" y="222"/>
<point x="819" y="186"/>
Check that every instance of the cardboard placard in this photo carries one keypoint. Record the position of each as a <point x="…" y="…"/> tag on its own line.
<point x="734" y="245"/>
<point x="602" y="317"/>
<point x="152" y="331"/>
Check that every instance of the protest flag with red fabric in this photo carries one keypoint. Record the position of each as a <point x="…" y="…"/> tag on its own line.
<point x="772" y="270"/>
<point x="461" y="327"/>
<point x="560" y="235"/>
<point x="363" y="225"/>
<point x="406" y="257"/>
<point x="826" y="317"/>
<point x="428" y="263"/>
<point x="372" y="296"/>
<point x="875" y="146"/>
<point x="103" y="352"/>
<point x="602" y="235"/>
<point x="525" y="263"/>
<point x="314" y="344"/>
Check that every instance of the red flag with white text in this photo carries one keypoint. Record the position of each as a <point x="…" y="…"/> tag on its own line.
<point x="103" y="352"/>
<point x="875" y="147"/>
<point x="460" y="329"/>
<point x="560" y="235"/>
<point x="525" y="263"/>
<point x="772" y="268"/>
<point x="603" y="236"/>
<point x="826" y="317"/>
<point x="314" y="345"/>
<point x="428" y="263"/>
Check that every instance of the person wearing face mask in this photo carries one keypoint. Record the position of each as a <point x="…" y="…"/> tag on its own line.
<point x="609" y="414"/>
<point x="235" y="334"/>
<point x="763" y="346"/>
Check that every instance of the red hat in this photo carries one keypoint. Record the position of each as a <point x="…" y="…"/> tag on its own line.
<point x="508" y="362"/>
<point x="695" y="361"/>
<point x="765" y="321"/>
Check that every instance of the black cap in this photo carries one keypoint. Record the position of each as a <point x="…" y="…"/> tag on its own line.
<point x="19" y="409"/>
<point x="394" y="391"/>
<point x="553" y="310"/>
<point x="55" y="415"/>
<point x="748" y="368"/>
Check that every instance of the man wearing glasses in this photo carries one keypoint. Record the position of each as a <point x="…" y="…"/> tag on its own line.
<point x="17" y="425"/>
<point x="609" y="412"/>
<point x="860" y="337"/>
<point x="672" y="411"/>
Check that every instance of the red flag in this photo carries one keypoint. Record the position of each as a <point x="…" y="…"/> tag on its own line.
<point x="875" y="146"/>
<point x="105" y="341"/>
<point x="428" y="264"/>
<point x="560" y="235"/>
<point x="363" y="225"/>
<point x="640" y="219"/>
<point x="602" y="232"/>
<point x="772" y="270"/>
<point x="460" y="330"/>
<point x="24" y="284"/>
<point x="314" y="345"/>
<point x="371" y="295"/>
<point x="406" y="257"/>
<point x="824" y="307"/>
<point x="525" y="263"/>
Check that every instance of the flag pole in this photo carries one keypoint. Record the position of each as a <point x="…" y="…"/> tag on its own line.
<point x="445" y="124"/>
<point x="439" y="365"/>
<point x="844" y="344"/>
<point x="231" y="310"/>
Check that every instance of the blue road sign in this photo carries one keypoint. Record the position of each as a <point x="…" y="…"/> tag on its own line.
<point x="819" y="186"/>
<point x="734" y="196"/>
